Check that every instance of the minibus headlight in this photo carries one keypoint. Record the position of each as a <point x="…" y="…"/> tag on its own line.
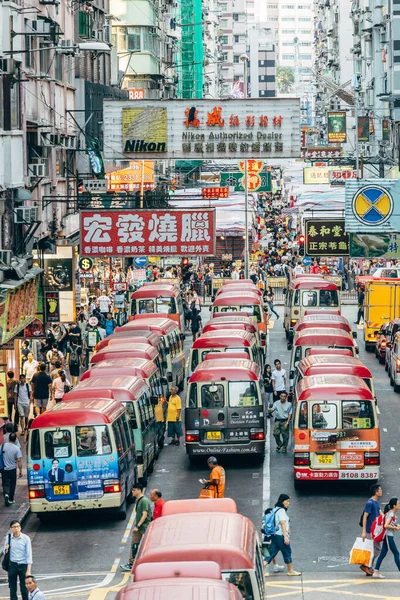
<point x="371" y="458"/>
<point x="257" y="434"/>
<point x="36" y="491"/>
<point x="302" y="459"/>
<point x="193" y="435"/>
<point x="111" y="486"/>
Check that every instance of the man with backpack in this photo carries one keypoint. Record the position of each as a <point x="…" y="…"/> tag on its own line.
<point x="53" y="356"/>
<point x="74" y="355"/>
<point x="110" y="324"/>
<point x="371" y="511"/>
<point x="41" y="388"/>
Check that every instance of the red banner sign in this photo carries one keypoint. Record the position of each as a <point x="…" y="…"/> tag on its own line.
<point x="217" y="192"/>
<point x="148" y="232"/>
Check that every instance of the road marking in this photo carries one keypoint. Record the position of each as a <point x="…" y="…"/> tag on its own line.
<point x="377" y="410"/>
<point x="267" y="469"/>
<point x="129" y="526"/>
<point x="385" y="430"/>
<point x="255" y="475"/>
<point x="392" y="449"/>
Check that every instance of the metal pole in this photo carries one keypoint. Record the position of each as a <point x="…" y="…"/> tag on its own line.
<point x="246" y="191"/>
<point x="356" y="140"/>
<point x="142" y="185"/>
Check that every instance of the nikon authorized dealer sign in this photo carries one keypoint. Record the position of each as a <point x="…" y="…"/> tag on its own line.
<point x="202" y="129"/>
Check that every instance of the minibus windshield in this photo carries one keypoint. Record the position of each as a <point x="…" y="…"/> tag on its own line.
<point x="92" y="440"/>
<point x="242" y="393"/>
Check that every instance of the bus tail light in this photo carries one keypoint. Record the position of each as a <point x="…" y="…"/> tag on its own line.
<point x="257" y="434"/>
<point x="397" y="365"/>
<point x="383" y="344"/>
<point x="371" y="458"/>
<point x="302" y="459"/>
<point x="36" y="491"/>
<point x="111" y="486"/>
<point x="193" y="435"/>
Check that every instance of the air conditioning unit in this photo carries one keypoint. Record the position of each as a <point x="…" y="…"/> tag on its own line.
<point x="42" y="27"/>
<point x="26" y="214"/>
<point x="7" y="65"/>
<point x="107" y="33"/>
<point x="5" y="257"/>
<point x="66" y="44"/>
<point x="37" y="170"/>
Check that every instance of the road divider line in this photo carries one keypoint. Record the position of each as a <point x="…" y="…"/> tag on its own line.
<point x="392" y="449"/>
<point x="129" y="526"/>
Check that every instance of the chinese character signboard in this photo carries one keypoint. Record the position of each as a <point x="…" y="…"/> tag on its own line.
<point x="372" y="206"/>
<point x="144" y="232"/>
<point x="129" y="180"/>
<point x="326" y="237"/>
<point x="363" y="129"/>
<point x="337" y="127"/>
<point x="3" y="396"/>
<point x="217" y="192"/>
<point x="52" y="307"/>
<point x="339" y="177"/>
<point x="236" y="180"/>
<point x="320" y="175"/>
<point x="202" y="129"/>
<point x="377" y="245"/>
<point x="321" y="152"/>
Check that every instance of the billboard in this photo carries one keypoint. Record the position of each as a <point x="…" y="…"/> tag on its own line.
<point x="58" y="274"/>
<point x="341" y="176"/>
<point x="130" y="179"/>
<point x="319" y="175"/>
<point x="363" y="129"/>
<point x="375" y="245"/>
<point x="337" y="127"/>
<point x="326" y="237"/>
<point x="318" y="152"/>
<point x="202" y="129"/>
<point x="372" y="206"/>
<point x="145" y="232"/>
<point x="236" y="180"/>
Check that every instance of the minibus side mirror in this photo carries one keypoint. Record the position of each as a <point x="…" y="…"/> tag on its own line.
<point x="289" y="346"/>
<point x="210" y="307"/>
<point x="212" y="298"/>
<point x="154" y="400"/>
<point x="167" y="351"/>
<point x="355" y="335"/>
<point x="164" y="381"/>
<point x="164" y="364"/>
<point x="263" y="336"/>
<point x="291" y="374"/>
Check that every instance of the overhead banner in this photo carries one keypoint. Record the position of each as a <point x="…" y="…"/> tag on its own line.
<point x="363" y="129"/>
<point x="319" y="175"/>
<point x="148" y="232"/>
<point x="375" y="245"/>
<point x="326" y="237"/>
<point x="337" y="127"/>
<point x="202" y="129"/>
<point x="372" y="206"/>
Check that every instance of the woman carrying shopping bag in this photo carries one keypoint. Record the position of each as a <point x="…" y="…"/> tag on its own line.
<point x="391" y="527"/>
<point x="270" y="301"/>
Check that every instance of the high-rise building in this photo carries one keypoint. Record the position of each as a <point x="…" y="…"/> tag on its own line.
<point x="262" y="61"/>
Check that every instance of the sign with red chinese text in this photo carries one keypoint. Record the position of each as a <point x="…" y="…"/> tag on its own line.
<point x="322" y="152"/>
<point x="313" y="175"/>
<point x="136" y="94"/>
<point x="340" y="177"/>
<point x="202" y="129"/>
<point x="18" y="308"/>
<point x="145" y="232"/>
<point x="129" y="180"/>
<point x="119" y="286"/>
<point x="217" y="192"/>
<point x="326" y="237"/>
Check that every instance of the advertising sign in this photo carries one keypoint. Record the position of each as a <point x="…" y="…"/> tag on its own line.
<point x="319" y="175"/>
<point x="326" y="237"/>
<point x="3" y="396"/>
<point x="129" y="180"/>
<point x="144" y="232"/>
<point x="34" y="329"/>
<point x="215" y="192"/>
<point x="52" y="307"/>
<point x="18" y="308"/>
<point x="321" y="152"/>
<point x="340" y="177"/>
<point x="363" y="129"/>
<point x="236" y="181"/>
<point x="375" y="245"/>
<point x="372" y="206"/>
<point x="337" y="127"/>
<point x="136" y="94"/>
<point x="85" y="264"/>
<point x="385" y="130"/>
<point x="202" y="129"/>
<point x="58" y="274"/>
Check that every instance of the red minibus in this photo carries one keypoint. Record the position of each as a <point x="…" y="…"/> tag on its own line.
<point x="137" y="337"/>
<point x="323" y="320"/>
<point x="152" y="300"/>
<point x="173" y="507"/>
<point x="307" y="339"/>
<point x="330" y="351"/>
<point x="125" y="350"/>
<point x="242" y="301"/>
<point x="216" y="324"/>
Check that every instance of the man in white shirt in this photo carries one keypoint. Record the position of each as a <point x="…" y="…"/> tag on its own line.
<point x="235" y="274"/>
<point x="22" y="394"/>
<point x="298" y="270"/>
<point x="104" y="303"/>
<point x="278" y="378"/>
<point x="30" y="366"/>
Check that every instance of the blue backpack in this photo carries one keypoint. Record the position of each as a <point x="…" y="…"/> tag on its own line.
<point x="269" y="526"/>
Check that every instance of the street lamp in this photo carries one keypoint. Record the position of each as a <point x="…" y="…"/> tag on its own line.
<point x="245" y="60"/>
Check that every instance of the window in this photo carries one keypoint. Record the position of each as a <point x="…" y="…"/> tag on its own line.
<point x="288" y="56"/>
<point x="357" y="414"/>
<point x="328" y="298"/>
<point x="131" y="411"/>
<point x="305" y="31"/>
<point x="243" y="393"/>
<point x="304" y="6"/>
<point x="304" y="19"/>
<point x="193" y="396"/>
<point x="305" y="56"/>
<point x="223" y="23"/>
<point x="128" y="431"/>
<point x="58" y="67"/>
<point x="296" y="301"/>
<point x="146" y="306"/>
<point x="288" y="31"/>
<point x="297" y="355"/>
<point x="28" y="54"/>
<point x="224" y="39"/>
<point x="272" y="6"/>
<point x="236" y="39"/>
<point x="195" y="359"/>
<point x="35" y="444"/>
<point x="224" y="58"/>
<point x="235" y="17"/>
<point x="223" y="7"/>
<point x="166" y="305"/>
<point x="253" y="309"/>
<point x="236" y="58"/>
<point x="212" y="396"/>
<point x="303" y="415"/>
<point x="324" y="416"/>
<point x="118" y="440"/>
<point x="287" y="6"/>
<point x="133" y="38"/>
<point x="304" y="43"/>
<point x="57" y="444"/>
<point x="85" y="24"/>
<point x="286" y="19"/>
<point x="92" y="440"/>
<point x="44" y="59"/>
<point x="309" y="298"/>
<point x="287" y="43"/>
<point x="241" y="580"/>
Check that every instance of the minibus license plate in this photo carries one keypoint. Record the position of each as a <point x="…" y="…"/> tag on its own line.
<point x="325" y="459"/>
<point x="213" y="435"/>
<point x="61" y="490"/>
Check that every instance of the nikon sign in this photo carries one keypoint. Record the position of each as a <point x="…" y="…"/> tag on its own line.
<point x="202" y="129"/>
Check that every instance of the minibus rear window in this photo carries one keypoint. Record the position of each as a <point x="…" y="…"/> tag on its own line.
<point x="212" y="396"/>
<point x="166" y="305"/>
<point x="357" y="414"/>
<point x="243" y="393"/>
<point x="324" y="416"/>
<point x="328" y="298"/>
<point x="253" y="309"/>
<point x="193" y="396"/>
<point x="227" y="309"/>
<point x="241" y="579"/>
<point x="146" y="306"/>
<point x="195" y="359"/>
<point x="35" y="445"/>
<point x="92" y="440"/>
<point x="57" y="443"/>
<point x="309" y="298"/>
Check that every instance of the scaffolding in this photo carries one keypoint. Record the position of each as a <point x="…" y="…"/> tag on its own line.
<point x="191" y="60"/>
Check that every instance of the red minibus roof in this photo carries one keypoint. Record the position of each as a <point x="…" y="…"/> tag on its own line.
<point x="313" y="284"/>
<point x="180" y="588"/>
<point x="330" y="352"/>
<point x="148" y="337"/>
<point x="322" y="316"/>
<point x="231" y="369"/>
<point x="126" y="350"/>
<point x="244" y="282"/>
<point x="330" y="322"/>
<point x="310" y="276"/>
<point x="87" y="412"/>
<point x="204" y="570"/>
<point x="224" y="339"/>
<point x="232" y="317"/>
<point x="321" y="311"/>
<point x="149" y="292"/>
<point x="132" y="367"/>
<point x="237" y="298"/>
<point x="219" y="355"/>
<point x="226" y="538"/>
<point x="125" y="341"/>
<point x="152" y="323"/>
<point x="316" y="365"/>
<point x="323" y="336"/>
<point x="238" y="288"/>
<point x="120" y="388"/>
<point x="211" y="326"/>
<point x="176" y="507"/>
<point x="330" y="387"/>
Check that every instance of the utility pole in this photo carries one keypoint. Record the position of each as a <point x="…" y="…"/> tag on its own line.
<point x="245" y="59"/>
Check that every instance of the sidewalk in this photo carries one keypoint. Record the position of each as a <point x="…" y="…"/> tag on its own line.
<point x="20" y="510"/>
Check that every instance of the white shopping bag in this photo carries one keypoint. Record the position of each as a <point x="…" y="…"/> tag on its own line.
<point x="362" y="552"/>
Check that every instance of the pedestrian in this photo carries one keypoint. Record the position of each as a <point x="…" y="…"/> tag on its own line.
<point x="110" y="324"/>
<point x="12" y="458"/>
<point x="74" y="333"/>
<point x="270" y="301"/>
<point x="195" y="324"/>
<point x="60" y="386"/>
<point x="32" y="587"/>
<point x="281" y="538"/>
<point x="41" y="390"/>
<point x="142" y="521"/>
<point x="278" y="378"/>
<point x="9" y="428"/>
<point x="156" y="497"/>
<point x="73" y="359"/>
<point x="54" y="356"/>
<point x="20" y="560"/>
<point x="282" y="411"/>
<point x="61" y="335"/>
<point x="54" y="373"/>
<point x="391" y="526"/>
<point x="30" y="366"/>
<point x="269" y="390"/>
<point x="104" y="305"/>
<point x="371" y="511"/>
<point x="174" y="417"/>
<point x="25" y="350"/>
<point x="11" y="383"/>
<point x="217" y="477"/>
<point x="23" y="397"/>
<point x="360" y="302"/>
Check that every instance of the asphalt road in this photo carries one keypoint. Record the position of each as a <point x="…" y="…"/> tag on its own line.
<point x="78" y="556"/>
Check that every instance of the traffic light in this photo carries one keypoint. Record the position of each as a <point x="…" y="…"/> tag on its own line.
<point x="184" y="263"/>
<point x="301" y="241"/>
